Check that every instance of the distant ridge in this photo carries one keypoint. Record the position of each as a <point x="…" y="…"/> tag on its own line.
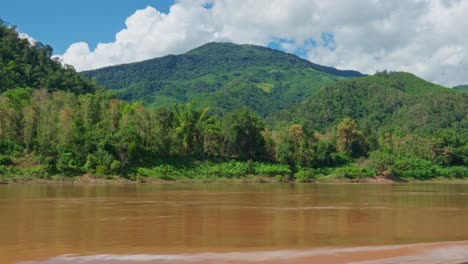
<point x="268" y="79"/>
<point x="383" y="101"/>
<point x="463" y="88"/>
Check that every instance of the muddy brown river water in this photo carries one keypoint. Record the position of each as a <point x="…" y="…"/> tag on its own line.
<point x="229" y="223"/>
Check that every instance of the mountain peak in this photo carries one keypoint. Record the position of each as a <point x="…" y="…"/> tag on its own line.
<point x="230" y="51"/>
<point x="229" y="46"/>
<point x="218" y="72"/>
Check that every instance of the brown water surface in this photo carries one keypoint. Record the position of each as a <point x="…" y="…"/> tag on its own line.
<point x="234" y="223"/>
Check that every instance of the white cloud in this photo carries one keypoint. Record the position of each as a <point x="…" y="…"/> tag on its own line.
<point x="426" y="37"/>
<point x="31" y="40"/>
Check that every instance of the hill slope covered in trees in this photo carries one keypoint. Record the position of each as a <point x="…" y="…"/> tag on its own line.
<point x="397" y="100"/>
<point x="24" y="64"/>
<point x="398" y="115"/>
<point x="463" y="88"/>
<point x="224" y="76"/>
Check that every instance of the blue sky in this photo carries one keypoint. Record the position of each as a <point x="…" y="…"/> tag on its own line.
<point x="60" y="23"/>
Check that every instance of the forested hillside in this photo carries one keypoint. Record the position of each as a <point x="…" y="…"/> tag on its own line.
<point x="398" y="115"/>
<point x="463" y="88"/>
<point x="23" y="64"/>
<point x="395" y="101"/>
<point x="54" y="123"/>
<point x="224" y="76"/>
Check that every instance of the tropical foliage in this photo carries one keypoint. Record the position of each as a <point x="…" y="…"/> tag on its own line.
<point x="388" y="123"/>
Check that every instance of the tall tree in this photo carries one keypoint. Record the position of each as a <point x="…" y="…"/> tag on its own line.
<point x="189" y="125"/>
<point x="243" y="131"/>
<point x="350" y="140"/>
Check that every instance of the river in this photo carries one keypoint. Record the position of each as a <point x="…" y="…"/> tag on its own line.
<point x="234" y="223"/>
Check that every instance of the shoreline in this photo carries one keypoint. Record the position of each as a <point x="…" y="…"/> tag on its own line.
<point x="88" y="179"/>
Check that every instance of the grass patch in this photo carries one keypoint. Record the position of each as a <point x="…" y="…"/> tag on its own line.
<point x="266" y="87"/>
<point x="209" y="170"/>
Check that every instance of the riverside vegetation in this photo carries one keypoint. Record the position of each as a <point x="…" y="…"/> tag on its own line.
<point x="258" y="113"/>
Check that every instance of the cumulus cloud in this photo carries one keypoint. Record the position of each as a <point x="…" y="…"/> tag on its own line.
<point x="425" y="37"/>
<point x="31" y="40"/>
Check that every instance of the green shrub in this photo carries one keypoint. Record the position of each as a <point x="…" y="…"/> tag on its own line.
<point x="354" y="172"/>
<point x="413" y="168"/>
<point x="239" y="169"/>
<point x="282" y="178"/>
<point x="460" y="155"/>
<point x="7" y="147"/>
<point x="101" y="170"/>
<point x="208" y="169"/>
<point x="115" y="166"/>
<point x="161" y="172"/>
<point x="271" y="169"/>
<point x="226" y="169"/>
<point x="457" y="172"/>
<point x="305" y="175"/>
<point x="4" y="160"/>
<point x="68" y="163"/>
<point x="3" y="170"/>
<point x="40" y="171"/>
<point x="381" y="161"/>
<point x="340" y="159"/>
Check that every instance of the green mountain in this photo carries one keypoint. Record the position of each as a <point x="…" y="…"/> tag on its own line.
<point x="23" y="64"/>
<point x="385" y="101"/>
<point x="224" y="76"/>
<point x="386" y="123"/>
<point x="463" y="88"/>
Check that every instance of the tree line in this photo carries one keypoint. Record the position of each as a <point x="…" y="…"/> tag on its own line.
<point x="64" y="133"/>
